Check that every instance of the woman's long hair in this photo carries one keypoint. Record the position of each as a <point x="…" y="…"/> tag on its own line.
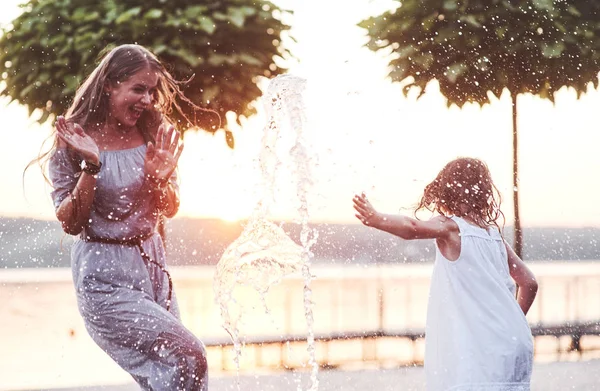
<point x="464" y="188"/>
<point x="91" y="103"/>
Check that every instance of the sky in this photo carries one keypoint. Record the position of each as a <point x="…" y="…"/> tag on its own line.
<point x="365" y="136"/>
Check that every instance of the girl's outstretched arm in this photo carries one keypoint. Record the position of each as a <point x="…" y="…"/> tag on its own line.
<point x="524" y="279"/>
<point x="439" y="227"/>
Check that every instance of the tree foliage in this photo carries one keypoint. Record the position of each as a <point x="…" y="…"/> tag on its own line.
<point x="225" y="45"/>
<point x="472" y="47"/>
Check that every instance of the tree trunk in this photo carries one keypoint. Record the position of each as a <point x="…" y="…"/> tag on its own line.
<point x="518" y="243"/>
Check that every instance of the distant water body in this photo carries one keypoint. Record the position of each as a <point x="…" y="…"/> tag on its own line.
<point x="27" y="243"/>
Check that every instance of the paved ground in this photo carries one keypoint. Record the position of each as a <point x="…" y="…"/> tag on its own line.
<point x="563" y="376"/>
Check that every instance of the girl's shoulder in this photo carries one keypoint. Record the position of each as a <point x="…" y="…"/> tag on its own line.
<point x="468" y="228"/>
<point x="448" y="223"/>
<point x="442" y="219"/>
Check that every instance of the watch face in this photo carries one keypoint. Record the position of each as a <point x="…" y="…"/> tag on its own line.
<point x="91" y="168"/>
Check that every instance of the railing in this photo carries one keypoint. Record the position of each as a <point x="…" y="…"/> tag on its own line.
<point x="574" y="331"/>
<point x="567" y="307"/>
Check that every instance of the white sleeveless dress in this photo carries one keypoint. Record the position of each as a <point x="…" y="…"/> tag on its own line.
<point x="477" y="337"/>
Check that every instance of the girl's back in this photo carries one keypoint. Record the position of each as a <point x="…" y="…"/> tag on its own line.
<point x="477" y="337"/>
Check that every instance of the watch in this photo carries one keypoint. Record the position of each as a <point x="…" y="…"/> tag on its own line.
<point x="91" y="168"/>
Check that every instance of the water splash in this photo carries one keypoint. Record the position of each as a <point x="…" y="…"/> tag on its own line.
<point x="264" y="253"/>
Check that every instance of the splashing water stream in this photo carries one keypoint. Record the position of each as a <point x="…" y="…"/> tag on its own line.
<point x="264" y="253"/>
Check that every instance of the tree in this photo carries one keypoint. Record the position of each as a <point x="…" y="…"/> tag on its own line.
<point x="476" y="47"/>
<point x="224" y="46"/>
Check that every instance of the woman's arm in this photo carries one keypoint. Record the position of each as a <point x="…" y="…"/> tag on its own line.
<point x="167" y="199"/>
<point x="524" y="279"/>
<point x="74" y="210"/>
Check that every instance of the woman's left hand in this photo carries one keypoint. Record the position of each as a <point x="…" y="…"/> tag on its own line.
<point x="161" y="159"/>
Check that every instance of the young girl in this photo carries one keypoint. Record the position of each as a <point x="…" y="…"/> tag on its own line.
<point x="477" y="337"/>
<point x="113" y="172"/>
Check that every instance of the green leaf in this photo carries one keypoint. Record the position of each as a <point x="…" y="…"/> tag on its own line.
<point x="210" y="93"/>
<point x="429" y="22"/>
<point x="229" y="139"/>
<point x="111" y="15"/>
<point x="406" y="51"/>
<point x="236" y="16"/>
<point x="424" y="59"/>
<point x="159" y="49"/>
<point x="471" y="19"/>
<point x="153" y="14"/>
<point x="79" y="14"/>
<point x="248" y="59"/>
<point x="207" y="24"/>
<point x="501" y="32"/>
<point x="188" y="57"/>
<point x="71" y="84"/>
<point x="552" y="50"/>
<point x="84" y="14"/>
<point x="43" y="77"/>
<point x="546" y="5"/>
<point x="573" y="11"/>
<point x="217" y="59"/>
<point x="560" y="27"/>
<point x="196" y="11"/>
<point x="25" y="91"/>
<point x="128" y="15"/>
<point x="248" y="11"/>
<point x="450" y="5"/>
<point x="455" y="71"/>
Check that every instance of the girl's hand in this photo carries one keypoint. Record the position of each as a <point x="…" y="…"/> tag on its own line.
<point x="76" y="138"/>
<point x="366" y="213"/>
<point x="161" y="159"/>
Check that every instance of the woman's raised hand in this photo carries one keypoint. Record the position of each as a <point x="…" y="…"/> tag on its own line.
<point x="76" y="138"/>
<point x="162" y="157"/>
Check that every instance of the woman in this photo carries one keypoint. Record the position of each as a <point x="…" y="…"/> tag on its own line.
<point x="113" y="173"/>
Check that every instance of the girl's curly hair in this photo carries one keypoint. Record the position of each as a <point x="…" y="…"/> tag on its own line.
<point x="464" y="188"/>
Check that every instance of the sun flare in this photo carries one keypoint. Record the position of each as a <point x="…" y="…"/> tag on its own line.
<point x="233" y="215"/>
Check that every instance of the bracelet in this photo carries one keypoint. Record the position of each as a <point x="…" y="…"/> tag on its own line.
<point x="91" y="168"/>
